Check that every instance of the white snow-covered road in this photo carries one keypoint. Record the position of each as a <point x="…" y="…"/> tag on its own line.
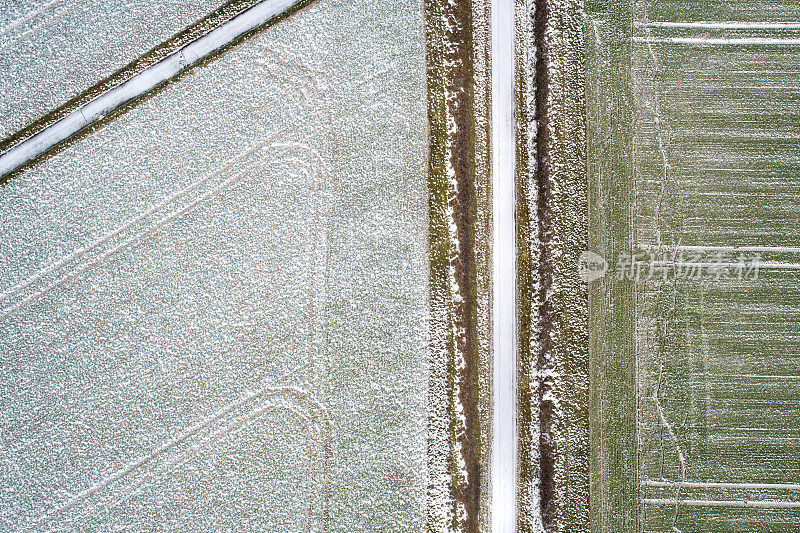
<point x="504" y="430"/>
<point x="142" y="82"/>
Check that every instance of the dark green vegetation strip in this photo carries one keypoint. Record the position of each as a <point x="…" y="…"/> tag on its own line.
<point x="614" y="488"/>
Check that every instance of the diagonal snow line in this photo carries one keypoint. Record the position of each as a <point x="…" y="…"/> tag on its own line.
<point x="143" y="82"/>
<point x="27" y="17"/>
<point x="43" y="24"/>
<point x="122" y="246"/>
<point x="316" y="410"/>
